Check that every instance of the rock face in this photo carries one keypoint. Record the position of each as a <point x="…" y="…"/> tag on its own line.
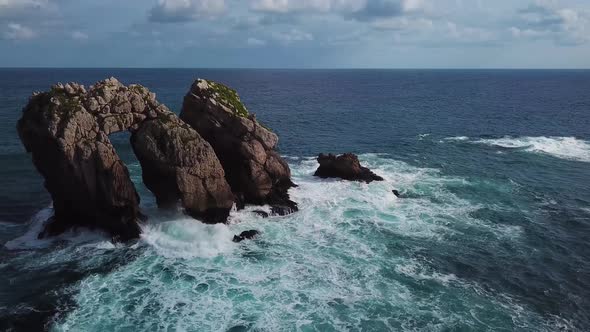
<point x="253" y="169"/>
<point x="346" y="166"/>
<point x="66" y="130"/>
<point x="178" y="164"/>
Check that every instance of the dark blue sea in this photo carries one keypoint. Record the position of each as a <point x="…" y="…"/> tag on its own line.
<point x="491" y="232"/>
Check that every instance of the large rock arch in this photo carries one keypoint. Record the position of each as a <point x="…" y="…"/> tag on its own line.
<point x="66" y="130"/>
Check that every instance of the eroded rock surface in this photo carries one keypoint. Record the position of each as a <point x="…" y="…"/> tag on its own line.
<point x="345" y="166"/>
<point x="66" y="130"/>
<point x="178" y="164"/>
<point x="254" y="170"/>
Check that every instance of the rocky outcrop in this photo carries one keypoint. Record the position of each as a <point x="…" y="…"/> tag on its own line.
<point x="254" y="170"/>
<point x="66" y="130"/>
<point x="178" y="164"/>
<point x="346" y="166"/>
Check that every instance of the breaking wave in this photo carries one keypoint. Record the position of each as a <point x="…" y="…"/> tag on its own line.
<point x="348" y="260"/>
<point x="569" y="148"/>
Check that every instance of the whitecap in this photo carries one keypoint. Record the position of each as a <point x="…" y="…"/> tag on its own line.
<point x="325" y="267"/>
<point x="570" y="148"/>
<point x="457" y="138"/>
<point x="188" y="238"/>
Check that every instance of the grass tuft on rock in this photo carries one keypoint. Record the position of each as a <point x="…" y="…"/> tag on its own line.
<point x="229" y="97"/>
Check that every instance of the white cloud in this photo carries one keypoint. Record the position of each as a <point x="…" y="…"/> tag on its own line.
<point x="79" y="35"/>
<point x="17" y="31"/>
<point x="285" y="6"/>
<point x="255" y="42"/>
<point x="24" y="9"/>
<point x="402" y="23"/>
<point x="293" y="35"/>
<point x="544" y="20"/>
<point x="186" y="10"/>
<point x="360" y="9"/>
<point x="16" y="4"/>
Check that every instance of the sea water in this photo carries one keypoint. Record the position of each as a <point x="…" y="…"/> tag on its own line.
<point x="490" y="231"/>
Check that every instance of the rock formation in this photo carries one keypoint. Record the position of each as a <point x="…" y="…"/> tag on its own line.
<point x="66" y="130"/>
<point x="346" y="166"/>
<point x="254" y="170"/>
<point x="178" y="164"/>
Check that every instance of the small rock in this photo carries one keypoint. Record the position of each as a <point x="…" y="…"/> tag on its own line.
<point x="395" y="192"/>
<point x="345" y="166"/>
<point x="282" y="210"/>
<point x="246" y="235"/>
<point x="261" y="213"/>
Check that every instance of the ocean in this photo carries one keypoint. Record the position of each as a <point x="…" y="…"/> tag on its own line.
<point x="491" y="232"/>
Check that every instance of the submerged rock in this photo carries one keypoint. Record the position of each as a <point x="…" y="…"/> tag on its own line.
<point x="396" y="192"/>
<point x="261" y="213"/>
<point x="253" y="169"/>
<point x="66" y="130"/>
<point x="246" y="235"/>
<point x="345" y="166"/>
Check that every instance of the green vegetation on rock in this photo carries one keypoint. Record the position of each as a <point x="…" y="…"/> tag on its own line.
<point x="229" y="97"/>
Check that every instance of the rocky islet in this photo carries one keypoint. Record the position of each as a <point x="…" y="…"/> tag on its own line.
<point x="215" y="154"/>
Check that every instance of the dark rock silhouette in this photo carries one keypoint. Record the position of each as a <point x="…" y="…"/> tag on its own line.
<point x="345" y="166"/>
<point x="246" y="235"/>
<point x="261" y="213"/>
<point x="253" y="169"/>
<point x="66" y="130"/>
<point x="396" y="193"/>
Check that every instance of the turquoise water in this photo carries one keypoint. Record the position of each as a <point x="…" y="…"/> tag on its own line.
<point x="490" y="232"/>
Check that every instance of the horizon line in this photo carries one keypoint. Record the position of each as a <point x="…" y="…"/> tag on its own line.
<point x="301" y="68"/>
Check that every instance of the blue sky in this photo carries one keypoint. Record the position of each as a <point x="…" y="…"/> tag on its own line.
<point x="296" y="33"/>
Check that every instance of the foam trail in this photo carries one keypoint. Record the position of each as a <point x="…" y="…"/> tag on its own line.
<point x="569" y="148"/>
<point x="457" y="138"/>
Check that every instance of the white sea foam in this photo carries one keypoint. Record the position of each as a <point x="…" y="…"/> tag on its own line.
<point x="31" y="240"/>
<point x="188" y="238"/>
<point x="335" y="264"/>
<point x="570" y="148"/>
<point x="414" y="269"/>
<point x="457" y="138"/>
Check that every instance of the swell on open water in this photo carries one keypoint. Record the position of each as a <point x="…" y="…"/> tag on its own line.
<point x="490" y="232"/>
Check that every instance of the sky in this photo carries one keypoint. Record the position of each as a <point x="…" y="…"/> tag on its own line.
<point x="295" y="33"/>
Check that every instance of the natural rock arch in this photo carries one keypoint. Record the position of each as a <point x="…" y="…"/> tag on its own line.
<point x="66" y="130"/>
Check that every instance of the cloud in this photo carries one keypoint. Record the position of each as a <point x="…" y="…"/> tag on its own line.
<point x="79" y="36"/>
<point x="363" y="10"/>
<point x="402" y="23"/>
<point x="374" y="9"/>
<point x="167" y="11"/>
<point x="27" y="10"/>
<point x="17" y="31"/>
<point x="321" y="6"/>
<point x="291" y="36"/>
<point x="540" y="20"/>
<point x="8" y="5"/>
<point x="255" y="42"/>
